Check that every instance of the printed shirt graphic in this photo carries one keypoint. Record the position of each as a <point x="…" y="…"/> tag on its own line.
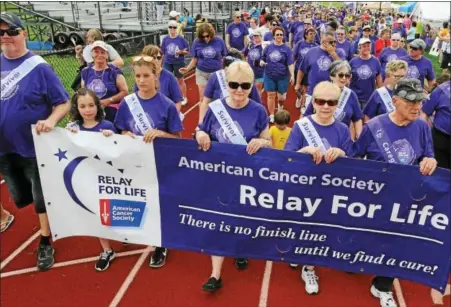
<point x="278" y="58"/>
<point x="410" y="143"/>
<point x="388" y="54"/>
<point x="364" y="73"/>
<point x="237" y="33"/>
<point x="209" y="55"/>
<point x="103" y="84"/>
<point x="344" y="50"/>
<point x="335" y="135"/>
<point x="316" y="65"/>
<point x="32" y="99"/>
<point x="250" y="120"/>
<point x="160" y="112"/>
<point x="300" y="50"/>
<point x="169" y="47"/>
<point x="254" y="54"/>
<point x="419" y="69"/>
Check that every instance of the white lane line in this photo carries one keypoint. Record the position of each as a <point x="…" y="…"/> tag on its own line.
<point x="192" y="108"/>
<point x="130" y="277"/>
<point x="19" y="250"/>
<point x="399" y="294"/>
<point x="265" y="285"/>
<point x="68" y="263"/>
<point x="189" y="77"/>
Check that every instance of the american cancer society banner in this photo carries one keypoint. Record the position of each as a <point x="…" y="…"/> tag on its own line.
<point x="353" y="215"/>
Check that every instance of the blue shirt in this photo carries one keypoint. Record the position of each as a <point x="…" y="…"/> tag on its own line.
<point x="375" y="105"/>
<point x="439" y="102"/>
<point x="102" y="83"/>
<point x="31" y="99"/>
<point x="419" y="69"/>
<point x="209" y="55"/>
<point x="254" y="55"/>
<point x="278" y="58"/>
<point x="364" y="74"/>
<point x="237" y="33"/>
<point x="169" y="47"/>
<point x="315" y="65"/>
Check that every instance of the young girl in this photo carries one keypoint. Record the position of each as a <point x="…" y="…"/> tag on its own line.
<point x="87" y="115"/>
<point x="158" y="117"/>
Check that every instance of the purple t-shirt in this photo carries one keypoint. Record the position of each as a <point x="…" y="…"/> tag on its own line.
<point x="364" y="73"/>
<point x="213" y="90"/>
<point x="419" y="69"/>
<point x="344" y="50"/>
<point x="277" y="58"/>
<point x="169" y="46"/>
<point x="250" y="120"/>
<point x="299" y="52"/>
<point x="31" y="99"/>
<point x="439" y="103"/>
<point x="335" y="135"/>
<point x="351" y="112"/>
<point x="375" y="105"/>
<point x="316" y="65"/>
<point x="209" y="55"/>
<point x="411" y="143"/>
<point x="102" y="125"/>
<point x="388" y="54"/>
<point x="160" y="112"/>
<point x="237" y="32"/>
<point x="168" y="86"/>
<point x="102" y="83"/>
<point x="254" y="55"/>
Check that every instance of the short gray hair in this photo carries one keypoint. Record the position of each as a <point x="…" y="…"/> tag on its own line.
<point x="337" y="65"/>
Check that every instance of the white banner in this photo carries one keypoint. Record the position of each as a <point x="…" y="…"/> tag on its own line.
<point x="99" y="186"/>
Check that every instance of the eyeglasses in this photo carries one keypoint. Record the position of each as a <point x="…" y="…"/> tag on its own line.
<point x="144" y="58"/>
<point x="274" y="24"/>
<point x="279" y="34"/>
<point x="10" y="32"/>
<point x="205" y="36"/>
<point x="367" y="30"/>
<point x="342" y="75"/>
<point x="236" y="85"/>
<point x="172" y="27"/>
<point x="322" y="102"/>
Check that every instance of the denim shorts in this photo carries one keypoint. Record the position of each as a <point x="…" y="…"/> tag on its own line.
<point x="280" y="86"/>
<point x="22" y="179"/>
<point x="174" y="69"/>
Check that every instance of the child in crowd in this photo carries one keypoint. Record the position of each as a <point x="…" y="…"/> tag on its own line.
<point x="87" y="115"/>
<point x="280" y="131"/>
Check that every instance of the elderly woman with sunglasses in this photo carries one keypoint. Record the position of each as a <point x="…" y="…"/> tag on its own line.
<point x="380" y="101"/>
<point x="366" y="72"/>
<point x="167" y="82"/>
<point x="207" y="51"/>
<point x="150" y="114"/>
<point x="249" y="127"/>
<point x="217" y="86"/>
<point x="333" y="141"/>
<point x="174" y="48"/>
<point x="398" y="137"/>
<point x="104" y="79"/>
<point x="348" y="109"/>
<point x="279" y="70"/>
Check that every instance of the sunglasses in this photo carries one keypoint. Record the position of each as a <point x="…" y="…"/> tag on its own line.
<point x="172" y="27"/>
<point x="205" y="36"/>
<point x="144" y="58"/>
<point x="332" y="42"/>
<point x="342" y="75"/>
<point x="236" y="85"/>
<point x="414" y="48"/>
<point x="10" y="32"/>
<point x="330" y="103"/>
<point x="395" y="40"/>
<point x="279" y="34"/>
<point x="403" y="41"/>
<point x="367" y="30"/>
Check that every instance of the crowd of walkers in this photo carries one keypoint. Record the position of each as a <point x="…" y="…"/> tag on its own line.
<point x="354" y="75"/>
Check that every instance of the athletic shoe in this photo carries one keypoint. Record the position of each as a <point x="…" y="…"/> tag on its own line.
<point x="293" y="265"/>
<point x="212" y="284"/>
<point x="386" y="298"/>
<point x="182" y="116"/>
<point x="104" y="260"/>
<point x="241" y="263"/>
<point x="45" y="257"/>
<point x="279" y="107"/>
<point x="184" y="101"/>
<point x="7" y="222"/>
<point x="158" y="258"/>
<point x="310" y="279"/>
<point x="298" y="103"/>
<point x="271" y="118"/>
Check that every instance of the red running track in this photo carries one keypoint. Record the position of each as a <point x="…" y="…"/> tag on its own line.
<point x="130" y="282"/>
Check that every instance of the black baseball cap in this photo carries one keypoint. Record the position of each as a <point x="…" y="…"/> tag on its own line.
<point x="12" y="20"/>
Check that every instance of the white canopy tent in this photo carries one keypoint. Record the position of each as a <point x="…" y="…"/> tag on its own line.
<point x="437" y="11"/>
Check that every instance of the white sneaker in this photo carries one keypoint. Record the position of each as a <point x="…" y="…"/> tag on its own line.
<point x="279" y="107"/>
<point x="298" y="103"/>
<point x="184" y="101"/>
<point x="182" y="116"/>
<point x="293" y="265"/>
<point x="271" y="118"/>
<point x="386" y="298"/>
<point x="310" y="279"/>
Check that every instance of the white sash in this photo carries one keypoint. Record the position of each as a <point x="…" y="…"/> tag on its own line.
<point x="344" y="97"/>
<point x="220" y="75"/>
<point x="310" y="134"/>
<point x="138" y="113"/>
<point x="386" y="98"/>
<point x="17" y="74"/>
<point x="227" y="123"/>
<point x="308" y="100"/>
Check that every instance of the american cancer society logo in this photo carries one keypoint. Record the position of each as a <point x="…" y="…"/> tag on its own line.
<point x="120" y="202"/>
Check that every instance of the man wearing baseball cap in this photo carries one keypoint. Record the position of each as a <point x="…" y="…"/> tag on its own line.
<point x="398" y="137"/>
<point x="420" y="67"/>
<point x="31" y="94"/>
